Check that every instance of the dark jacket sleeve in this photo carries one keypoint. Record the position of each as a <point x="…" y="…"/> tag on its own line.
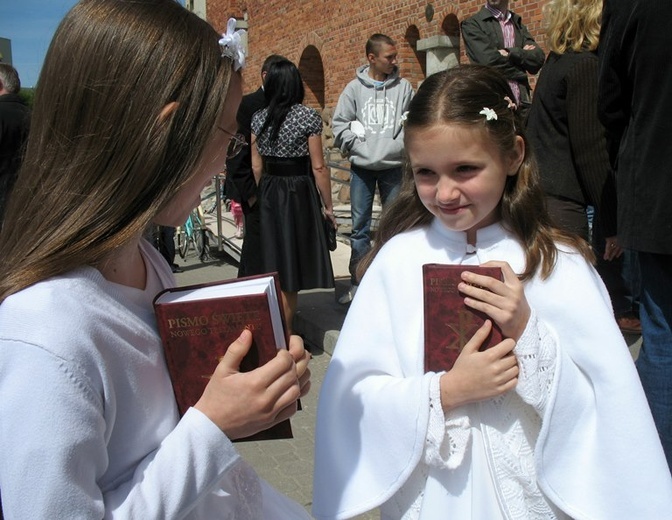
<point x="239" y="169"/>
<point x="530" y="61"/>
<point x="588" y="143"/>
<point x="614" y="93"/>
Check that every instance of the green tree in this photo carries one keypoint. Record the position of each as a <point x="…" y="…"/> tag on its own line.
<point x="27" y="94"/>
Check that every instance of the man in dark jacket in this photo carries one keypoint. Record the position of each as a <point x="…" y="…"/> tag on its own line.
<point x="240" y="179"/>
<point x="635" y="106"/>
<point x="14" y="126"/>
<point x="497" y="37"/>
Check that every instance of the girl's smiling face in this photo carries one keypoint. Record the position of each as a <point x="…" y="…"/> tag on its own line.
<point x="459" y="173"/>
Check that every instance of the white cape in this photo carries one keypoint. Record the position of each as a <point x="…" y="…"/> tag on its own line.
<point x="597" y="455"/>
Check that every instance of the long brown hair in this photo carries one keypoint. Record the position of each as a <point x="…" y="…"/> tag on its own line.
<point x="100" y="161"/>
<point x="456" y="96"/>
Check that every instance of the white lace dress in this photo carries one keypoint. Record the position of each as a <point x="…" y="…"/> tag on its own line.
<point x="479" y="459"/>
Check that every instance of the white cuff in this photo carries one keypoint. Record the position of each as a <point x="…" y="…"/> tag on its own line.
<point x="448" y="436"/>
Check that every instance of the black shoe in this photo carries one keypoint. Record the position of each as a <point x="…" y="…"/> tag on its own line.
<point x="176" y="268"/>
<point x="349" y="295"/>
<point x="629" y="323"/>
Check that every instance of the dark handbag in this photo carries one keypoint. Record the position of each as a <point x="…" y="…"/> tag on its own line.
<point x="330" y="233"/>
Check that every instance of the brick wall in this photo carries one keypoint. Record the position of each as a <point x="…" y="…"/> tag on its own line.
<point x="326" y="38"/>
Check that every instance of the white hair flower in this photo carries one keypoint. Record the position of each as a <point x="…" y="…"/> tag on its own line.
<point x="489" y="114"/>
<point x="232" y="45"/>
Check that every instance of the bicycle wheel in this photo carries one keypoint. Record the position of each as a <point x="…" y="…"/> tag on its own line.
<point x="200" y="240"/>
<point x="183" y="239"/>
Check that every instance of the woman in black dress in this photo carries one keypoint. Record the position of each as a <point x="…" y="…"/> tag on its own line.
<point x="288" y="164"/>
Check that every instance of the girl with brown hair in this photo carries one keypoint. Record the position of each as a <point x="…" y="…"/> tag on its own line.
<point x="134" y="113"/>
<point x="503" y="433"/>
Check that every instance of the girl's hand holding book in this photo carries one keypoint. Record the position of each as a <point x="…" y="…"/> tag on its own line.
<point x="479" y="375"/>
<point x="301" y="357"/>
<point x="244" y="403"/>
<point x="504" y="302"/>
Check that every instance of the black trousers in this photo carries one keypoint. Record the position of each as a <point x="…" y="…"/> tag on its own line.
<point x="250" y="255"/>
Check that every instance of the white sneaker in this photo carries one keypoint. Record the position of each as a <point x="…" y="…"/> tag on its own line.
<point x="348" y="296"/>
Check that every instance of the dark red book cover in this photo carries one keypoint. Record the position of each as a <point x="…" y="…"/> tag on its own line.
<point x="449" y="323"/>
<point x="196" y="333"/>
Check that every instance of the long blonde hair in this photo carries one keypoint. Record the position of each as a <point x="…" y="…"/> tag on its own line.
<point x="457" y="96"/>
<point x="100" y="162"/>
<point x="572" y="25"/>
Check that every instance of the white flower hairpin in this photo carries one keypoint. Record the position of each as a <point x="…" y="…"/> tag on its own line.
<point x="231" y="44"/>
<point x="489" y="114"/>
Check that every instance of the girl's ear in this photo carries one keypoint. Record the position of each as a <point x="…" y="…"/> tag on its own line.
<point x="167" y="110"/>
<point x="517" y="156"/>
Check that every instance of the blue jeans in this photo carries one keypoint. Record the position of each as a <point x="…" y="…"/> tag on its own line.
<point x="362" y="190"/>
<point x="654" y="362"/>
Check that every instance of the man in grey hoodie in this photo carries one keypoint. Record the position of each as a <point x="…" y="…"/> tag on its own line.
<point x="368" y="128"/>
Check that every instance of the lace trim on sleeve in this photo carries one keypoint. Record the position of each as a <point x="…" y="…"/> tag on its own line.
<point x="536" y="352"/>
<point x="246" y="489"/>
<point x="448" y="435"/>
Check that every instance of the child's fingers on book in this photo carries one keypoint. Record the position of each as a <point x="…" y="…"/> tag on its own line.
<point x="301" y="356"/>
<point x="281" y="366"/>
<point x="507" y="271"/>
<point x="479" y="299"/>
<point x="474" y="281"/>
<point x="287" y="397"/>
<point x="512" y="373"/>
<point x="236" y="352"/>
<point x="286" y="412"/>
<point x="479" y="337"/>
<point x="280" y="377"/>
<point x="509" y="385"/>
<point x="508" y="368"/>
<point x="302" y="364"/>
<point x="502" y="350"/>
<point x="304" y="377"/>
<point x="305" y="388"/>
<point x="304" y="382"/>
<point x="296" y="347"/>
<point x="490" y="309"/>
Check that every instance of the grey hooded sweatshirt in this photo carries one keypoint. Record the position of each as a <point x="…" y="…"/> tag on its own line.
<point x="379" y="109"/>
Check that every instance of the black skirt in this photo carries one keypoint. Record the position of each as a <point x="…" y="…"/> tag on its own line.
<point x="293" y="240"/>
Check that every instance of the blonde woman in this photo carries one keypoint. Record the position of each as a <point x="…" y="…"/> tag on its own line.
<point x="563" y="127"/>
<point x="569" y="141"/>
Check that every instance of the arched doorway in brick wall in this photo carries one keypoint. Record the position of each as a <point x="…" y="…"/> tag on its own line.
<point x="416" y="71"/>
<point x="312" y="72"/>
<point x="450" y="26"/>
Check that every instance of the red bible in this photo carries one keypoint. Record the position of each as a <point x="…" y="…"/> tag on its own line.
<point x="197" y="323"/>
<point x="449" y="323"/>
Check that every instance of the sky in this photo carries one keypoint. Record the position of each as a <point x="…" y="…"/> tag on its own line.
<point x="30" y="24"/>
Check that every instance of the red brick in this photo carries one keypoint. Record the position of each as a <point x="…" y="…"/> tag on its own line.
<point x="326" y="39"/>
